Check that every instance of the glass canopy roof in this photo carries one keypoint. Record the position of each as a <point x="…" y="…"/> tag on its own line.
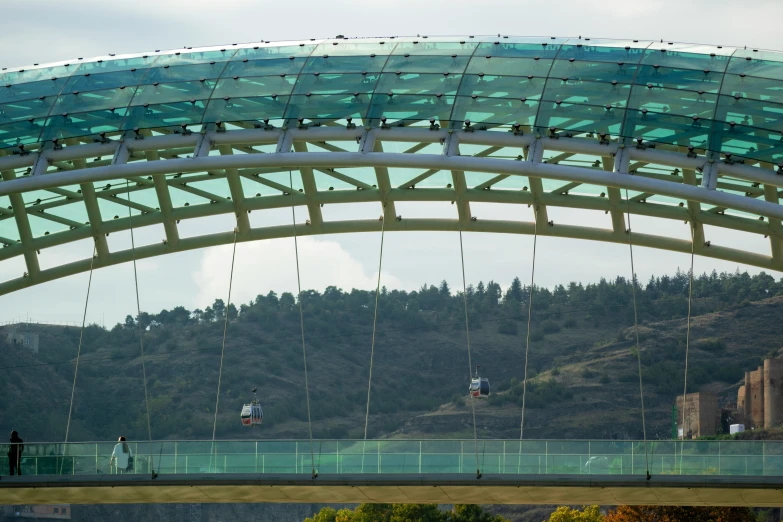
<point x="713" y="98"/>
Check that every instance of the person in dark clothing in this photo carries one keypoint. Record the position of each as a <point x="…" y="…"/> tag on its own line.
<point x="15" y="450"/>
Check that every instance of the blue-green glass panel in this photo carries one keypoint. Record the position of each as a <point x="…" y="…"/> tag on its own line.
<point x="747" y="112"/>
<point x="279" y="66"/>
<point x="274" y="51"/>
<point x="418" y="83"/>
<point x="169" y="114"/>
<point x="353" y="48"/>
<point x="327" y="107"/>
<point x="690" y="79"/>
<point x="593" y="71"/>
<point x="24" y="110"/>
<point x="114" y="65"/>
<point x="194" y="57"/>
<point x="410" y="107"/>
<point x="684" y="58"/>
<point x="426" y="64"/>
<point x="38" y="74"/>
<point x="26" y="91"/>
<point x="502" y="86"/>
<point x="184" y="72"/>
<point x="344" y="64"/>
<point x="20" y="132"/>
<point x="754" y="88"/>
<point x="542" y="48"/>
<point x="173" y="92"/>
<point x="335" y="83"/>
<point x="681" y="102"/>
<point x="246" y="108"/>
<point x="83" y="124"/>
<point x="427" y="46"/>
<point x="591" y="93"/>
<point x="102" y="81"/>
<point x="95" y="100"/>
<point x="597" y="53"/>
<point x="504" y="66"/>
<point x="250" y="87"/>
<point x="755" y="67"/>
<point x="667" y="128"/>
<point x="580" y="118"/>
<point x="749" y="142"/>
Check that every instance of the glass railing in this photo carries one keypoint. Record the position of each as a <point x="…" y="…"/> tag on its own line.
<point x="534" y="457"/>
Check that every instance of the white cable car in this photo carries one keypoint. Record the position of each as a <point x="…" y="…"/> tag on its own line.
<point x="252" y="413"/>
<point x="479" y="387"/>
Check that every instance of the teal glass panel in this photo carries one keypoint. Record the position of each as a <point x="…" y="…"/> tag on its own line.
<point x="335" y="83"/>
<point x="430" y="47"/>
<point x="344" y="64"/>
<point x="26" y="91"/>
<point x="169" y="114"/>
<point x="685" y="103"/>
<point x="20" y="133"/>
<point x="139" y="63"/>
<point x="353" y="48"/>
<point x="249" y="87"/>
<point x="194" y="57"/>
<point x="410" y="107"/>
<point x="246" y="108"/>
<point x="173" y="92"/>
<point x="747" y="112"/>
<point x="690" y="79"/>
<point x="504" y="66"/>
<point x="597" y="53"/>
<point x="184" y="73"/>
<point x="95" y="100"/>
<point x="267" y="52"/>
<point x="502" y="87"/>
<point x="82" y="124"/>
<point x="753" y="88"/>
<point x="580" y="118"/>
<point x="38" y="74"/>
<point x="755" y="67"/>
<point x="750" y="142"/>
<point x="102" y="81"/>
<point x="593" y="71"/>
<point x="426" y="64"/>
<point x="687" y="57"/>
<point x="418" y="83"/>
<point x="327" y="107"/>
<point x="592" y="93"/>
<point x="542" y="48"/>
<point x="278" y="66"/>
<point x="667" y="128"/>
<point x="25" y="110"/>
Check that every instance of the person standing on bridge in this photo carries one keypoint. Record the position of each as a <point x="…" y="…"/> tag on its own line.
<point x="121" y="456"/>
<point x="15" y="453"/>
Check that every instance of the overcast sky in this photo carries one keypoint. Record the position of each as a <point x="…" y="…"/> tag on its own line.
<point x="34" y="31"/>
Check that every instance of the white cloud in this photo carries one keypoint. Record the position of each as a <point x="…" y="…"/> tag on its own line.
<point x="262" y="266"/>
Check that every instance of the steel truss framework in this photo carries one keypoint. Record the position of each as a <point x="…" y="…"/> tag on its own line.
<point x="63" y="185"/>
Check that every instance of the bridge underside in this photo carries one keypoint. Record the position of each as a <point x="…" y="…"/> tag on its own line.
<point x="490" y="489"/>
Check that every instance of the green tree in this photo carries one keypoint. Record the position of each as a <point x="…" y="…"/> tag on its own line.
<point x="566" y="514"/>
<point x="680" y="514"/>
<point x="472" y="513"/>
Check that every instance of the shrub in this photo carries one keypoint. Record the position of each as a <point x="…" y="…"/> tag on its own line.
<point x="569" y="323"/>
<point x="536" y="335"/>
<point x="555" y="371"/>
<point x="587" y="373"/>
<point x="550" y="327"/>
<point x="508" y="327"/>
<point x="604" y="379"/>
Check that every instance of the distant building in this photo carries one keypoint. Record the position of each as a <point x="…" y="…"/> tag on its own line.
<point x="760" y="399"/>
<point x="39" y="512"/>
<point x="702" y="416"/>
<point x="23" y="339"/>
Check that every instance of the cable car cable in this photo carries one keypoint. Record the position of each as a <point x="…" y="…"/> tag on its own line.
<point x="529" y="321"/>
<point x="636" y="329"/>
<point x="301" y="324"/>
<point x="139" y="328"/>
<point x="223" y="347"/>
<point x="81" y="339"/>
<point x="467" y="333"/>
<point x="687" y="343"/>
<point x="374" y="325"/>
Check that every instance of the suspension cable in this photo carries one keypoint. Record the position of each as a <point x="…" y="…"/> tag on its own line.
<point x="223" y="348"/>
<point x="139" y="328"/>
<point x="81" y="339"/>
<point x="636" y="329"/>
<point x="529" y="321"/>
<point x="301" y="325"/>
<point x="467" y="333"/>
<point x="687" y="345"/>
<point x="374" y="324"/>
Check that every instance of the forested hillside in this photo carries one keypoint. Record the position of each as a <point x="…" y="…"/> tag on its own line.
<point x="581" y="361"/>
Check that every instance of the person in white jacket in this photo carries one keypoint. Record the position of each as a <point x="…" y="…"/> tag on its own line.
<point x="120" y="457"/>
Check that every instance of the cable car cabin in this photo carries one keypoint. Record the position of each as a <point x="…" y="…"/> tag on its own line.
<point x="479" y="387"/>
<point x="252" y="414"/>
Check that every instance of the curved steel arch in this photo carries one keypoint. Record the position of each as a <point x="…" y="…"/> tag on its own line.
<point x="65" y="183"/>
